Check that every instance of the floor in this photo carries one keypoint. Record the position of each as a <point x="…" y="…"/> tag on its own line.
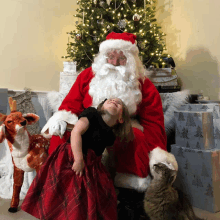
<point x="5" y="215"/>
<point x="21" y="215"/>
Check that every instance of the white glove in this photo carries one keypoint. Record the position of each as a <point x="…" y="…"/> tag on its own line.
<point x="57" y="128"/>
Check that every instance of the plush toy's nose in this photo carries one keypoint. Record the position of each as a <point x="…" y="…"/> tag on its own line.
<point x="23" y="123"/>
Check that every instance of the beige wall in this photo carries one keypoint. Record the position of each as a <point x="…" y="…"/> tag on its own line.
<point x="33" y="39"/>
<point x="193" y="40"/>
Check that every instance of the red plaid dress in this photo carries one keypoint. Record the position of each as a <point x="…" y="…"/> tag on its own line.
<point x="58" y="193"/>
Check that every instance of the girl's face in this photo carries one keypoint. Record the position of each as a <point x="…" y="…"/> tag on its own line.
<point x="114" y="107"/>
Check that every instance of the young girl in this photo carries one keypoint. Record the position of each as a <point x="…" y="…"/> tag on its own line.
<point x="73" y="184"/>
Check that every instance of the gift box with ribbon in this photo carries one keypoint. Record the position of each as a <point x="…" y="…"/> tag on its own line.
<point x="199" y="176"/>
<point x="198" y="126"/>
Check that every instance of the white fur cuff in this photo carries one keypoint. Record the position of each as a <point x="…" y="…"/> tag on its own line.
<point x="64" y="115"/>
<point x="55" y="99"/>
<point x="131" y="181"/>
<point x="118" y="44"/>
<point x="158" y="155"/>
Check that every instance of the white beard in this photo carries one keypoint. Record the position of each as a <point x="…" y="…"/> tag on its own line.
<point x="110" y="82"/>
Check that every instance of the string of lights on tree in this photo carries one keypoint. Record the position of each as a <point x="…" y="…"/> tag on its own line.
<point x="96" y="18"/>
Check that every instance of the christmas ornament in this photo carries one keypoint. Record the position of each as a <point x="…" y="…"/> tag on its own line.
<point x="95" y="1"/>
<point x="101" y="22"/>
<point x="108" y="27"/>
<point x="102" y="3"/>
<point x="78" y="37"/>
<point x="136" y="17"/>
<point x="141" y="44"/>
<point x="108" y="1"/>
<point x="122" y="23"/>
<point x="95" y="39"/>
<point x="124" y="2"/>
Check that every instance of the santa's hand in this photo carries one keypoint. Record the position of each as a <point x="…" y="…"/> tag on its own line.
<point x="57" y="128"/>
<point x="78" y="167"/>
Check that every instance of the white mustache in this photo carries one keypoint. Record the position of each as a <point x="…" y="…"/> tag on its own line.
<point x="107" y="67"/>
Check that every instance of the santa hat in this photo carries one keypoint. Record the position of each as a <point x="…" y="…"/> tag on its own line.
<point x="123" y="41"/>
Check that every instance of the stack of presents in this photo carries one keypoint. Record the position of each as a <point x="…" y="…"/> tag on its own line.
<point x="197" y="151"/>
<point x="68" y="76"/>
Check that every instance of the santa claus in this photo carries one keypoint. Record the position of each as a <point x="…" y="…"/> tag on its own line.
<point x="117" y="71"/>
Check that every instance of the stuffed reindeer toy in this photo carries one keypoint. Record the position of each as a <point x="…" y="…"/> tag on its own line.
<point x="29" y="152"/>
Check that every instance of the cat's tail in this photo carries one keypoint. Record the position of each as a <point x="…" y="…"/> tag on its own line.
<point x="187" y="207"/>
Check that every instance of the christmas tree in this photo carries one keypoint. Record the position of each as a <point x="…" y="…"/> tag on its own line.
<point x="190" y="121"/>
<point x="181" y="117"/>
<point x="197" y="181"/>
<point x="209" y="191"/>
<point x="204" y="171"/>
<point x="199" y="132"/>
<point x="97" y="18"/>
<point x="184" y="133"/>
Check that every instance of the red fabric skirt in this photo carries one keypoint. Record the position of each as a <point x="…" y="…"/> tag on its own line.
<point x="133" y="159"/>
<point x="58" y="193"/>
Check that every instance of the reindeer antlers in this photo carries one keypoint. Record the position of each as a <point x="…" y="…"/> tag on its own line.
<point x="12" y="104"/>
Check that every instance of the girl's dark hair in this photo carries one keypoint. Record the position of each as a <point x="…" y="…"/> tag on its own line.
<point x="121" y="130"/>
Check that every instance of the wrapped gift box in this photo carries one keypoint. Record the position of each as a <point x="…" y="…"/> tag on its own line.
<point x="66" y="81"/>
<point x="194" y="129"/>
<point x="69" y="67"/>
<point x="68" y="76"/>
<point x="162" y="77"/>
<point x="199" y="176"/>
<point x="214" y="108"/>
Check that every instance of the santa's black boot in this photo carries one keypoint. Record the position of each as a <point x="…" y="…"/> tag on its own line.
<point x="130" y="205"/>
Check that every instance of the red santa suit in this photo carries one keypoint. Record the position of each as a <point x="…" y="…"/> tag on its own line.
<point x="132" y="163"/>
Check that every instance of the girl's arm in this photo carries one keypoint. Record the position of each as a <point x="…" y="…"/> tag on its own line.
<point x="76" y="144"/>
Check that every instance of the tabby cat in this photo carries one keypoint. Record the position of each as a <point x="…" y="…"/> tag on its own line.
<point x="162" y="201"/>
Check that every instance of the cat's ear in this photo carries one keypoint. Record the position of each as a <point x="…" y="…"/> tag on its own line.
<point x="156" y="167"/>
<point x="173" y="177"/>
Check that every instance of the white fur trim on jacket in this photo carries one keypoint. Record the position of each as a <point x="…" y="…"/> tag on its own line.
<point x="55" y="99"/>
<point x="118" y="44"/>
<point x="158" y="155"/>
<point x="131" y="181"/>
<point x="64" y="115"/>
